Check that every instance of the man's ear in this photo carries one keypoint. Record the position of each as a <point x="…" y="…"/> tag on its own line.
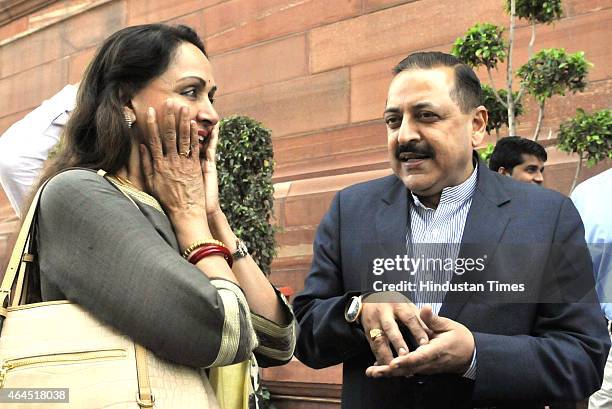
<point x="504" y="171"/>
<point x="479" y="125"/>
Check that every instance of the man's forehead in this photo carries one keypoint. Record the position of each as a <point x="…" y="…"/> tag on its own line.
<point x="532" y="159"/>
<point x="418" y="85"/>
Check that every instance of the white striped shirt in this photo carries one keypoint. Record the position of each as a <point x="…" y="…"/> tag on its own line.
<point x="436" y="234"/>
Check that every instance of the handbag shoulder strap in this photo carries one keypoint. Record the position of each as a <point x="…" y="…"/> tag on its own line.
<point x="19" y="254"/>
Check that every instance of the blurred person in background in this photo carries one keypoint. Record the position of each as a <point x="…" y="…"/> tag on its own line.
<point x="25" y="145"/>
<point x="592" y="199"/>
<point x="520" y="158"/>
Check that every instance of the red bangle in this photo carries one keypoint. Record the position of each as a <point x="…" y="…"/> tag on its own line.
<point x="209" y="250"/>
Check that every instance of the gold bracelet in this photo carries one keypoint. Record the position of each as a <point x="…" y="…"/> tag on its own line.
<point x="199" y="244"/>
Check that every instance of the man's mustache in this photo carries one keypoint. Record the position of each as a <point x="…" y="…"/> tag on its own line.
<point x="419" y="149"/>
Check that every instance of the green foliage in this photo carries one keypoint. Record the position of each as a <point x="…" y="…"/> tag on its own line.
<point x="265" y="398"/>
<point x="485" y="153"/>
<point x="245" y="165"/>
<point x="483" y="44"/>
<point x="498" y="114"/>
<point x="553" y="72"/>
<point x="542" y="11"/>
<point x="590" y="136"/>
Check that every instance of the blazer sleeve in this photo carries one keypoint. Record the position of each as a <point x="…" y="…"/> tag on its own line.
<point x="102" y="253"/>
<point x="325" y="337"/>
<point x="564" y="356"/>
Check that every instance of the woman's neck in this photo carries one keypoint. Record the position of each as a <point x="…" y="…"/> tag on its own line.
<point x="133" y="171"/>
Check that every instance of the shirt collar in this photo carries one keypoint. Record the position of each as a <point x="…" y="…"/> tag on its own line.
<point x="454" y="194"/>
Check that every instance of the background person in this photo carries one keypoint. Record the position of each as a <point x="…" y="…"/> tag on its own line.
<point x="26" y="144"/>
<point x="520" y="158"/>
<point x="592" y="199"/>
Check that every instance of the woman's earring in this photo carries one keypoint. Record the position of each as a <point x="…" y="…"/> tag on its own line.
<point x="128" y="119"/>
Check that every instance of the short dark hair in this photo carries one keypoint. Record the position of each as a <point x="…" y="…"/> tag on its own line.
<point x="509" y="150"/>
<point x="467" y="92"/>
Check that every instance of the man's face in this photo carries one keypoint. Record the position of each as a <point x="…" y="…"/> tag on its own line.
<point x="530" y="171"/>
<point x="429" y="139"/>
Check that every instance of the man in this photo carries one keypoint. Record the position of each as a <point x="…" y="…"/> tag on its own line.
<point x="27" y="143"/>
<point x="592" y="199"/>
<point x="520" y="158"/>
<point x="489" y="348"/>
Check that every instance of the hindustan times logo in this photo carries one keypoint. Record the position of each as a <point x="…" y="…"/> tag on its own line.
<point x="492" y="286"/>
<point x="413" y="265"/>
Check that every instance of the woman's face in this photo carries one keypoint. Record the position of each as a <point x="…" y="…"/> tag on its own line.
<point x="189" y="82"/>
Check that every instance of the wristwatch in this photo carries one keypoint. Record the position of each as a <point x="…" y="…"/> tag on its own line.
<point x="353" y="309"/>
<point x="241" y="250"/>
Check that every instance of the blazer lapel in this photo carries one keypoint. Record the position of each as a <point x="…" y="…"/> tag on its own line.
<point x="485" y="224"/>
<point x="392" y="219"/>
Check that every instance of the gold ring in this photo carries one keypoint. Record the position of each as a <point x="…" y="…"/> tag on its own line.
<point x="376" y="333"/>
<point x="185" y="154"/>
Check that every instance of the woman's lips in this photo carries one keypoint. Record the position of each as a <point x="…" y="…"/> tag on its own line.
<point x="203" y="135"/>
<point x="203" y="138"/>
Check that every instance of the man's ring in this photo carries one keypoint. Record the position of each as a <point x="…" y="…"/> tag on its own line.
<point x="375" y="333"/>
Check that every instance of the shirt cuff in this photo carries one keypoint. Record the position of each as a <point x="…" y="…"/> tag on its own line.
<point x="471" y="372"/>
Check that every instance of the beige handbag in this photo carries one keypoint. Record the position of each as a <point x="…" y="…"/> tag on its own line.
<point x="58" y="344"/>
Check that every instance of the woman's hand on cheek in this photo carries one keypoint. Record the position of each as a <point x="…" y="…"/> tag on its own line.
<point x="209" y="171"/>
<point x="170" y="162"/>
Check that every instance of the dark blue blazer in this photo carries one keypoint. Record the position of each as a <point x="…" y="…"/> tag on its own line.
<point x="545" y="344"/>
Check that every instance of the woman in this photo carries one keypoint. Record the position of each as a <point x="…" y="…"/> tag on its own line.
<point x="145" y="115"/>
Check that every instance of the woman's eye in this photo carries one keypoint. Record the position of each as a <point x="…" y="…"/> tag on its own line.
<point x="190" y="92"/>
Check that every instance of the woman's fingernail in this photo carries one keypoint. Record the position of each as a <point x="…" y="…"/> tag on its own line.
<point x="402" y="351"/>
<point x="151" y="112"/>
<point x="169" y="103"/>
<point x="422" y="341"/>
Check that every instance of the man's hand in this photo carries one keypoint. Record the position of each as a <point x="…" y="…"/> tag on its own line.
<point x="449" y="350"/>
<point x="383" y="311"/>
